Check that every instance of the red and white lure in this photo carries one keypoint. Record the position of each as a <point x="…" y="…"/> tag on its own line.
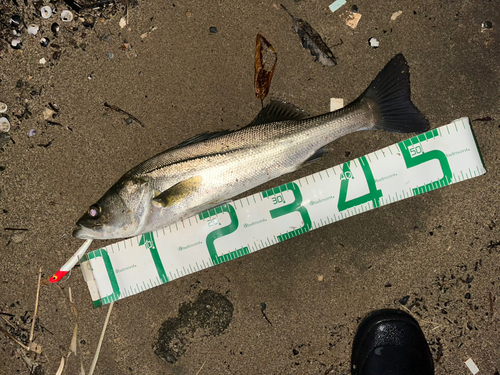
<point x="68" y="266"/>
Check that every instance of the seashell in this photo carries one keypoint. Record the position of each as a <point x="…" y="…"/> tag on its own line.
<point x="66" y="16"/>
<point x="46" y="11"/>
<point x="4" y="125"/>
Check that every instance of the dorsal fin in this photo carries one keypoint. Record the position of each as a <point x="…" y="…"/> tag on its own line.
<point x="278" y="110"/>
<point x="202" y="137"/>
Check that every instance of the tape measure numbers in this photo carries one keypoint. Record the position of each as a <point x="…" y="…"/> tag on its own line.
<point x="429" y="161"/>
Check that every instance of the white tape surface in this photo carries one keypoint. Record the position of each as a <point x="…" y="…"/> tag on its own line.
<point x="435" y="159"/>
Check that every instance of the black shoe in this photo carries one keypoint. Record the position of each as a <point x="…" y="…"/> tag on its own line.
<point x="390" y="342"/>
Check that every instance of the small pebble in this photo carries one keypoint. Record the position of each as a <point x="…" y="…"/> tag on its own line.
<point x="16" y="43"/>
<point x="213" y="29"/>
<point x="467" y="295"/>
<point x="321" y="278"/>
<point x="4" y="125"/>
<point x="44" y="42"/>
<point x="189" y="14"/>
<point x="487" y="25"/>
<point x="129" y="121"/>
<point x="46" y="12"/>
<point x="42" y="60"/>
<point x="31" y="133"/>
<point x="55" y="28"/>
<point x="374" y="42"/>
<point x="110" y="55"/>
<point x="354" y="9"/>
<point x="404" y="300"/>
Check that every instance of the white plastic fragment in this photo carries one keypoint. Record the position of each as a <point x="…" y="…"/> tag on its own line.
<point x="336" y="103"/>
<point x="46" y="11"/>
<point x="42" y="60"/>
<point x="123" y="22"/>
<point x="33" y="29"/>
<point x="374" y="42"/>
<point x="396" y="15"/>
<point x="353" y="20"/>
<point x="66" y="16"/>
<point x="336" y="5"/>
<point x="3" y="107"/>
<point x="4" y="125"/>
<point x="472" y="366"/>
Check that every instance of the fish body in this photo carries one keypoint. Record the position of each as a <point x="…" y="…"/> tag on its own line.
<point x="212" y="168"/>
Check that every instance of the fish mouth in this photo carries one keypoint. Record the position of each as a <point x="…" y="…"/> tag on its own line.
<point x="85" y="233"/>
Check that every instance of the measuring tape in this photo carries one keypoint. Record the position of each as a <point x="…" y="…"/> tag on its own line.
<point x="429" y="161"/>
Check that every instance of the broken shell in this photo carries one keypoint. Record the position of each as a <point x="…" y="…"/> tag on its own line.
<point x="66" y="16"/>
<point x="46" y="11"/>
<point x="44" y="42"/>
<point x="3" y="107"/>
<point x="4" y="125"/>
<point x="31" y="133"/>
<point x="33" y="29"/>
<point x="16" y="43"/>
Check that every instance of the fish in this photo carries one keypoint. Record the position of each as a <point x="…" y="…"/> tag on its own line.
<point x="211" y="168"/>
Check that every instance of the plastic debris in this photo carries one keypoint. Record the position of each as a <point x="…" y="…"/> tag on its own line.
<point x="3" y="107"/>
<point x="472" y="366"/>
<point x="32" y="133"/>
<point x="311" y="40"/>
<point x="33" y="29"/>
<point x="396" y="15"/>
<point x="336" y="5"/>
<point x="213" y="29"/>
<point x="374" y="42"/>
<point x="66" y="16"/>
<point x="123" y="22"/>
<point x="44" y="42"/>
<point x="46" y="12"/>
<point x="4" y="125"/>
<point x="353" y="19"/>
<point x="336" y="103"/>
<point x="16" y="43"/>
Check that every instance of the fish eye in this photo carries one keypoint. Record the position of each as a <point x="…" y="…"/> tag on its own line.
<point x="94" y="211"/>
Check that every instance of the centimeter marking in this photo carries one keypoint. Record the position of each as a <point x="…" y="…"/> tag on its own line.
<point x="429" y="161"/>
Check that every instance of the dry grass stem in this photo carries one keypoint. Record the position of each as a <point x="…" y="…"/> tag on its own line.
<point x="96" y="355"/>
<point x="36" y="306"/>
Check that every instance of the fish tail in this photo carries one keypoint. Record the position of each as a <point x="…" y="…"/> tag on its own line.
<point x="389" y="96"/>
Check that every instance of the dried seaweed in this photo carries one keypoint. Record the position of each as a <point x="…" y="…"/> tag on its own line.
<point x="312" y="41"/>
<point x="265" y="62"/>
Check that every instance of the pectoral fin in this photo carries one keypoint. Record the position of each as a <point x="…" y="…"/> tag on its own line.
<point x="178" y="192"/>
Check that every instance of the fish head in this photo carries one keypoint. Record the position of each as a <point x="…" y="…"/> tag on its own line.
<point x="118" y="214"/>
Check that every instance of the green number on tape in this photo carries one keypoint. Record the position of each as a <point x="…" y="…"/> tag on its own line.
<point x="411" y="149"/>
<point x="148" y="240"/>
<point x="221" y="232"/>
<point x="373" y="195"/>
<point x="295" y="206"/>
